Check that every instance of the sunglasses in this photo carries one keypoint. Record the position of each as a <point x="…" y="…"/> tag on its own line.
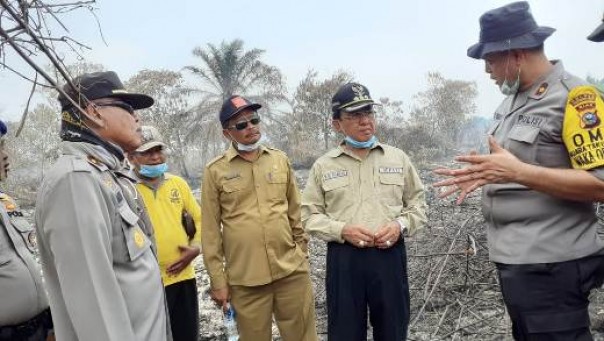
<point x="240" y="125"/>
<point x="118" y="104"/>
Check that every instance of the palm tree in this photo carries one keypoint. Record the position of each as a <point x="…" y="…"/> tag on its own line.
<point x="225" y="70"/>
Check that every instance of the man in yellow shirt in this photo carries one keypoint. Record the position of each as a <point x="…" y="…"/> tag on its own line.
<point x="166" y="196"/>
<point x="254" y="246"/>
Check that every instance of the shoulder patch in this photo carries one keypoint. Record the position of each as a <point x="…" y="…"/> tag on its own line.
<point x="582" y="130"/>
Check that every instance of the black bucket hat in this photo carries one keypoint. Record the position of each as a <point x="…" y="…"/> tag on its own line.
<point x="598" y="34"/>
<point x="104" y="84"/>
<point x="234" y="105"/>
<point x="351" y="97"/>
<point x="506" y="28"/>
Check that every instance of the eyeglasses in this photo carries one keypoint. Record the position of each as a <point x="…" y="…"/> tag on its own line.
<point x="118" y="104"/>
<point x="358" y="115"/>
<point x="242" y="124"/>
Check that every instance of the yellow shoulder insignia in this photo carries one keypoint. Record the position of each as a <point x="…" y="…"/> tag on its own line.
<point x="582" y="129"/>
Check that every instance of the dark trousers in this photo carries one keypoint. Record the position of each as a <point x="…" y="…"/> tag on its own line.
<point x="549" y="301"/>
<point x="358" y="278"/>
<point x="184" y="310"/>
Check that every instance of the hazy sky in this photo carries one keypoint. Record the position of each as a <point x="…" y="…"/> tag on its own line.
<point x="389" y="45"/>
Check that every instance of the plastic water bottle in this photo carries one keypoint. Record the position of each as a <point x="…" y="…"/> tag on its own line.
<point x="230" y="325"/>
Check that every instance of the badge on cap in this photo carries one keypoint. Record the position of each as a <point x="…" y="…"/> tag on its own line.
<point x="359" y="92"/>
<point x="238" y="102"/>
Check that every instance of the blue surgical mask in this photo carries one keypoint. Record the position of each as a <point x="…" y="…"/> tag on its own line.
<point x="360" y="145"/>
<point x="153" y="171"/>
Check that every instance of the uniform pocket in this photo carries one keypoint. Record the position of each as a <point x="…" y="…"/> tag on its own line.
<point x="277" y="185"/>
<point x="522" y="142"/>
<point x="26" y="231"/>
<point x="336" y="184"/>
<point x="136" y="240"/>
<point x="391" y="188"/>
<point x="339" y="196"/>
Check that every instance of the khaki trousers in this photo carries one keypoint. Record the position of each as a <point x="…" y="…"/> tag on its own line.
<point x="290" y="299"/>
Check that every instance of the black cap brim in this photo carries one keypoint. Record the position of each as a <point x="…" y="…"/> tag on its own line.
<point x="356" y="107"/>
<point x="253" y="106"/>
<point x="598" y="34"/>
<point x="136" y="101"/>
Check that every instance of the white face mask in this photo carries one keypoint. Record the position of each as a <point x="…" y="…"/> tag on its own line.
<point x="248" y="147"/>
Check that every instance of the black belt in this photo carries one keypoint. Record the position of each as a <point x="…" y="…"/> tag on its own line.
<point x="27" y="328"/>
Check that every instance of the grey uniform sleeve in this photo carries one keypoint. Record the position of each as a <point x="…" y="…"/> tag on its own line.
<point x="77" y="228"/>
<point x="314" y="217"/>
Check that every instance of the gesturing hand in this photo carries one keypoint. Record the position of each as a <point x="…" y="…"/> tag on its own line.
<point x="500" y="166"/>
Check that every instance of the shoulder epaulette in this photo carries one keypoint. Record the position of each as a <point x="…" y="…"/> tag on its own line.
<point x="80" y="165"/>
<point x="96" y="163"/>
<point x="569" y="82"/>
<point x="214" y="160"/>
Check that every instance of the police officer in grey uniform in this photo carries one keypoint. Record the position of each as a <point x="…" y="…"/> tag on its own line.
<point x="24" y="312"/>
<point x="94" y="236"/>
<point x="544" y="171"/>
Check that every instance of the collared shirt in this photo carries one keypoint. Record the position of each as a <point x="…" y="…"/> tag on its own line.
<point x="23" y="295"/>
<point x="252" y="233"/>
<point x="345" y="189"/>
<point x="101" y="273"/>
<point x="527" y="226"/>
<point x="165" y="205"/>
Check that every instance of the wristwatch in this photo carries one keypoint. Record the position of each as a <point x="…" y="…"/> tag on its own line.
<point x="401" y="224"/>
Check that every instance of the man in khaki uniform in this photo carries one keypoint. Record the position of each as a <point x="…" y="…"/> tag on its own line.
<point x="24" y="312"/>
<point x="253" y="244"/>
<point x="361" y="198"/>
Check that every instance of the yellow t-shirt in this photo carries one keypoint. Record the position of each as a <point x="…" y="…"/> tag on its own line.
<point x="165" y="206"/>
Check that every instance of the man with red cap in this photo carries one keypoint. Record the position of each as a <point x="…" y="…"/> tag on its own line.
<point x="253" y="245"/>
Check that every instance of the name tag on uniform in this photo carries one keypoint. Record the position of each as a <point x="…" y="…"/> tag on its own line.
<point x="391" y="170"/>
<point x="335" y="174"/>
<point x="530" y="120"/>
